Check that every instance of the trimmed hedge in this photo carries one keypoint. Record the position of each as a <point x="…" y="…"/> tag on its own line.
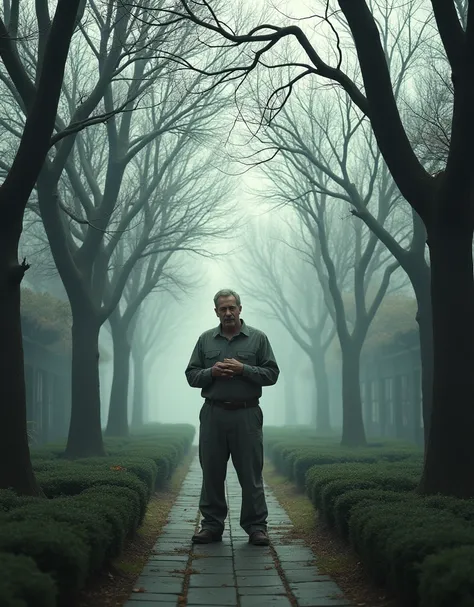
<point x="447" y="578"/>
<point x="344" y="503"/>
<point x="294" y="460"/>
<point x="326" y="483"/>
<point x="393" y="539"/>
<point x="48" y="547"/>
<point x="22" y="584"/>
<point x="58" y="548"/>
<point x="421" y="548"/>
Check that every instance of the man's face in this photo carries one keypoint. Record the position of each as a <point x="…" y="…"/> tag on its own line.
<point x="228" y="312"/>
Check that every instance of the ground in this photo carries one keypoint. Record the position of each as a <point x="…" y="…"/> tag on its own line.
<point x="118" y="584"/>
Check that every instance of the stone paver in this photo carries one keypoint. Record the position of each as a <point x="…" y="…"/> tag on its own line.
<point x="232" y="573"/>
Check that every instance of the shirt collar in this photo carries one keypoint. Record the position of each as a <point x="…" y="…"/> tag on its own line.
<point x="243" y="329"/>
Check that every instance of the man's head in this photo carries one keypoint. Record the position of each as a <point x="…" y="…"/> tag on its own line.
<point x="228" y="308"/>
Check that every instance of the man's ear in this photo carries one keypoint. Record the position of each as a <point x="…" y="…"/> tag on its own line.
<point x="217" y="313"/>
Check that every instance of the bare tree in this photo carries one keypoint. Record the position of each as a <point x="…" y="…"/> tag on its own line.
<point x="188" y="210"/>
<point x="285" y="286"/>
<point x="155" y="323"/>
<point x="310" y="130"/>
<point x="315" y="172"/>
<point x="132" y="60"/>
<point x="40" y="98"/>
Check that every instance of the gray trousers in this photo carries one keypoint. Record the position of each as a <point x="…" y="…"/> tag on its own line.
<point x="237" y="434"/>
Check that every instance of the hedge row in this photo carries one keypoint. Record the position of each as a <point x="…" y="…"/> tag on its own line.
<point x="49" y="547"/>
<point x="421" y="548"/>
<point x="295" y="451"/>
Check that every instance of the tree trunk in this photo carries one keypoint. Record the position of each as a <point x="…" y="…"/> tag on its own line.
<point x="290" y="401"/>
<point x="353" y="432"/>
<point x="422" y="287"/>
<point x="117" y="423"/>
<point x="16" y="471"/>
<point x="323" y="418"/>
<point x="138" y="390"/>
<point x="85" y="432"/>
<point x="449" y="459"/>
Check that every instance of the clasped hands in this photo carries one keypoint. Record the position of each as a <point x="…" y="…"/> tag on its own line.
<point x="228" y="368"/>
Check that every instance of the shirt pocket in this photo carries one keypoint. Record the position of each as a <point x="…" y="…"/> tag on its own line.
<point x="247" y="357"/>
<point x="211" y="357"/>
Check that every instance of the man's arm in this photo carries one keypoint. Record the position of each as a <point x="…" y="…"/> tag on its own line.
<point x="267" y="371"/>
<point x="196" y="374"/>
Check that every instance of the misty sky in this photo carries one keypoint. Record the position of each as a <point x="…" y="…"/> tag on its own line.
<point x="171" y="399"/>
<point x="176" y="401"/>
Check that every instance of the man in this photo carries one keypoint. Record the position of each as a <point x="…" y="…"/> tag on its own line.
<point x="230" y="364"/>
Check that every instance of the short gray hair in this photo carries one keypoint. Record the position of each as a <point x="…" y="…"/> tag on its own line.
<point x="226" y="293"/>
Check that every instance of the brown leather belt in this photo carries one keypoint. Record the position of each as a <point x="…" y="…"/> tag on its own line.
<point x="232" y="405"/>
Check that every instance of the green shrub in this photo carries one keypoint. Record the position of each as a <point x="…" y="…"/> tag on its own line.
<point x="9" y="500"/>
<point x="462" y="508"/>
<point x="93" y="505"/>
<point x="56" y="548"/>
<point x="381" y="478"/>
<point x="144" y="468"/>
<point x="447" y="578"/>
<point x="393" y="539"/>
<point x="396" y="477"/>
<point x="87" y="520"/>
<point x="308" y="459"/>
<point x="22" y="584"/>
<point x="332" y="490"/>
<point x="163" y="458"/>
<point x="304" y="459"/>
<point x="344" y="503"/>
<point x="281" y="452"/>
<point x="121" y="508"/>
<point x="55" y="483"/>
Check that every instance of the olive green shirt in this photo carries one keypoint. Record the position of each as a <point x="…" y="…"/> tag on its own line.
<point x="251" y="347"/>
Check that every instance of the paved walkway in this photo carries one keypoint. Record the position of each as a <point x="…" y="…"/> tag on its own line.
<point x="232" y="573"/>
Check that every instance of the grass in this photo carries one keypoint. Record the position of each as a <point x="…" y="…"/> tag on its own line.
<point x="333" y="557"/>
<point x="113" y="586"/>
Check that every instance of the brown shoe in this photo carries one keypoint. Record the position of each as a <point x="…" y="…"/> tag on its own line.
<point x="259" y="538"/>
<point x="206" y="536"/>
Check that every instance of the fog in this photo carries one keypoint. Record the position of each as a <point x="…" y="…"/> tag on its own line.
<point x="314" y="159"/>
<point x="214" y="183"/>
<point x="170" y="399"/>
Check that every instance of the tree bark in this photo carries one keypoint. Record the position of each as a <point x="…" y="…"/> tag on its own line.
<point x="422" y="287"/>
<point x="117" y="423"/>
<point x="149" y="397"/>
<point x="16" y="471"/>
<point x="138" y="390"/>
<point x="322" y="411"/>
<point x="85" y="432"/>
<point x="41" y="102"/>
<point x="353" y="432"/>
<point x="449" y="458"/>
